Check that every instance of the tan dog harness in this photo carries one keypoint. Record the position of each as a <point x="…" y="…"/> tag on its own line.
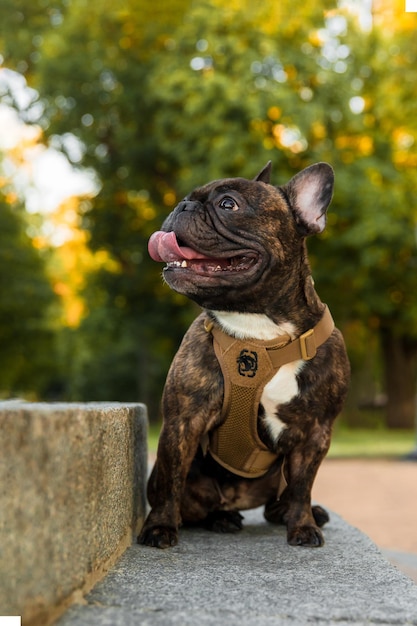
<point x="247" y="365"/>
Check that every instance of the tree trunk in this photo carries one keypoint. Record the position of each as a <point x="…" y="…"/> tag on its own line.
<point x="400" y="367"/>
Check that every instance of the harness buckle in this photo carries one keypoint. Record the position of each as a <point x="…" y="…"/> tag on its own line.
<point x="208" y="325"/>
<point x="308" y="345"/>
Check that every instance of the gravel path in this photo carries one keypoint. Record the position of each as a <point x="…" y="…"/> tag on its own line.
<point x="380" y="498"/>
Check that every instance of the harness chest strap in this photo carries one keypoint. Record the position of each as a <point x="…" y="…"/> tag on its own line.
<point x="247" y="365"/>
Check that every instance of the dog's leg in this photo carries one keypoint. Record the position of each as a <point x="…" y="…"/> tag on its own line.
<point x="191" y="406"/>
<point x="176" y="450"/>
<point x="294" y="507"/>
<point x="167" y="485"/>
<point x="199" y="502"/>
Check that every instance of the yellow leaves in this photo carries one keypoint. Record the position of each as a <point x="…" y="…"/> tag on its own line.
<point x="72" y="261"/>
<point x="403" y="159"/>
<point x="390" y="16"/>
<point x="102" y="260"/>
<point x="277" y="131"/>
<point x="235" y="5"/>
<point x="403" y="142"/>
<point x="402" y="138"/>
<point x="343" y="142"/>
<point x="288" y="137"/>
<point x="75" y="310"/>
<point x="315" y="39"/>
<point x="169" y="199"/>
<point x="291" y="72"/>
<point x="148" y="213"/>
<point x="318" y="130"/>
<point x="279" y="136"/>
<point x="365" y="145"/>
<point x="10" y="197"/>
<point x="73" y="306"/>
<point x="354" y="146"/>
<point x="40" y="242"/>
<point x="274" y="113"/>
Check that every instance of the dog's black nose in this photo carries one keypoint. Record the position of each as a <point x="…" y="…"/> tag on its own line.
<point x="188" y="205"/>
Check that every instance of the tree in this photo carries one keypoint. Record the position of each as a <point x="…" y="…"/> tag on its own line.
<point x="347" y="109"/>
<point x="96" y="96"/>
<point x="394" y="114"/>
<point x="376" y="214"/>
<point x="26" y="307"/>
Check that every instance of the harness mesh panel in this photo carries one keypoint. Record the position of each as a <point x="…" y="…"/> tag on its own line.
<point x="237" y="422"/>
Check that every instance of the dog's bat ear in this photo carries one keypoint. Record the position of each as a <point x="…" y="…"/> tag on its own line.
<point x="309" y="193"/>
<point x="264" y="175"/>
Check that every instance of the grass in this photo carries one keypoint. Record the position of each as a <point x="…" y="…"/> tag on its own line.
<point x="349" y="442"/>
<point x="371" y="443"/>
<point x="153" y="435"/>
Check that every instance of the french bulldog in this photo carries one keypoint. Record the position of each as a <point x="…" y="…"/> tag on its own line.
<point x="261" y="374"/>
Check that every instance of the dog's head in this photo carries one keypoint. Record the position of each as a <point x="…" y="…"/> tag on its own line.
<point x="229" y="241"/>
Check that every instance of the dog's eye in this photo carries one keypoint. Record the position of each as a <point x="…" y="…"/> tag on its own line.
<point x="228" y="204"/>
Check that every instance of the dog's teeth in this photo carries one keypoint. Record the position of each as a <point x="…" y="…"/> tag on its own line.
<point x="184" y="264"/>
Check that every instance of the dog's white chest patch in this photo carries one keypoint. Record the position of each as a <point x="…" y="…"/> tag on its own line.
<point x="283" y="386"/>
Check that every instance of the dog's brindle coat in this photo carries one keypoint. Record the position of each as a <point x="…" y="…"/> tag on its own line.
<point x="237" y="247"/>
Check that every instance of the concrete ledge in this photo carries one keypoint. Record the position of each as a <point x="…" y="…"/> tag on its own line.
<point x="72" y="491"/>
<point x="252" y="578"/>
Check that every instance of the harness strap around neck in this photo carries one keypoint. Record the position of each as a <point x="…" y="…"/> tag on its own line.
<point x="247" y="365"/>
<point x="281" y="349"/>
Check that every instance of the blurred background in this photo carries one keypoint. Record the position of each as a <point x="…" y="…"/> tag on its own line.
<point x="110" y="112"/>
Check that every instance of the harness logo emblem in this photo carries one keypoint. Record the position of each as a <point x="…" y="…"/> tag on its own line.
<point x="247" y="363"/>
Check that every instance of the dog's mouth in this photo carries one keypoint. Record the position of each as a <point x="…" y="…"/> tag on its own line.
<point x="165" y="247"/>
<point x="212" y="266"/>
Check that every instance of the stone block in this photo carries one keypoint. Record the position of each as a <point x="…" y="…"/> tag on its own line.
<point x="72" y="492"/>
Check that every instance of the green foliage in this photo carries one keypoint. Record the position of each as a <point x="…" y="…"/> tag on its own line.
<point x="372" y="443"/>
<point x="26" y="301"/>
<point x="375" y="211"/>
<point x="22" y="26"/>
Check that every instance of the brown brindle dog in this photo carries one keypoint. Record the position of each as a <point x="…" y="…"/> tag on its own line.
<point x="261" y="374"/>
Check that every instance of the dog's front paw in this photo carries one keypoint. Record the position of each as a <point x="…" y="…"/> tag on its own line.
<point x="159" y="537"/>
<point x="307" y="535"/>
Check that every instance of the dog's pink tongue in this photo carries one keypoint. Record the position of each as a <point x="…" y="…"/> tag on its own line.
<point x="164" y="247"/>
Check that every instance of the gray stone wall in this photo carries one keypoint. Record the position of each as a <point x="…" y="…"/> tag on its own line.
<point x="72" y="492"/>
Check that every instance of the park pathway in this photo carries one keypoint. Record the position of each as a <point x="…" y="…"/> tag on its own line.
<point x="380" y="498"/>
